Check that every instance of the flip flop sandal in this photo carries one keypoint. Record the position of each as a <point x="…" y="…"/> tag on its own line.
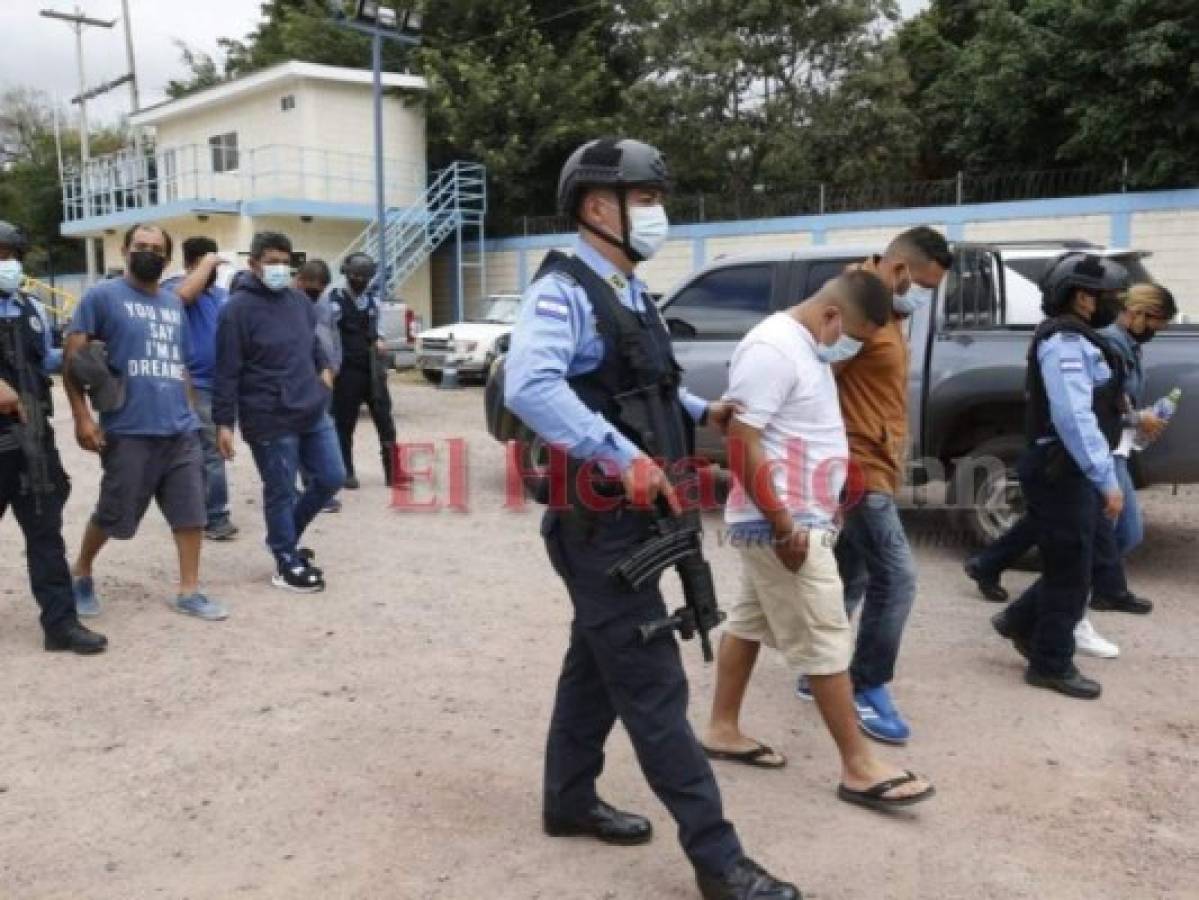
<point x="874" y="797"/>
<point x="753" y="758"/>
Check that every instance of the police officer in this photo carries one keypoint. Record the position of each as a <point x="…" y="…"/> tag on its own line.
<point x="559" y="380"/>
<point x="27" y="356"/>
<point x="362" y="378"/>
<point x="1076" y="406"/>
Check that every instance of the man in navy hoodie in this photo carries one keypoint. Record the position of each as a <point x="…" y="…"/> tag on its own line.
<point x="272" y="375"/>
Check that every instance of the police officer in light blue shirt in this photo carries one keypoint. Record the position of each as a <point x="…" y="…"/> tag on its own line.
<point x="560" y="378"/>
<point x="1076" y="405"/>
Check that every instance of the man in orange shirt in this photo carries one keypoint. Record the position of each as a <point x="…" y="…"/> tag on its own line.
<point x="873" y="554"/>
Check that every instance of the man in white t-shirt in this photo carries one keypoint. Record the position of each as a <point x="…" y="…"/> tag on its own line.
<point x="790" y="457"/>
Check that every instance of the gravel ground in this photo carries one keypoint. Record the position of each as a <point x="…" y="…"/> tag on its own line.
<point x="384" y="739"/>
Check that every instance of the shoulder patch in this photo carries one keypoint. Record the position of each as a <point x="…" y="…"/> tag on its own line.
<point x="550" y="307"/>
<point x="1072" y="365"/>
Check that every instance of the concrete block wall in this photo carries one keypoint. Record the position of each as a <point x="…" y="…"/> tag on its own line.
<point x="1163" y="223"/>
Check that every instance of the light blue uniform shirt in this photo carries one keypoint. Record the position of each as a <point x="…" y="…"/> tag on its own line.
<point x="9" y="310"/>
<point x="1071" y="368"/>
<point x="555" y="338"/>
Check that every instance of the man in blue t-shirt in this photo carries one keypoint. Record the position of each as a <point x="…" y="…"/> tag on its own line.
<point x="202" y="300"/>
<point x="146" y="437"/>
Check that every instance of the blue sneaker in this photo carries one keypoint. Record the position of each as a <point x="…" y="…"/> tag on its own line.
<point x="878" y="717"/>
<point x="199" y="606"/>
<point x="803" y="688"/>
<point x="87" y="606"/>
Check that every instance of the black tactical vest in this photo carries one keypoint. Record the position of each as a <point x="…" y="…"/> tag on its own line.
<point x="24" y="333"/>
<point x="357" y="330"/>
<point x="1107" y="399"/>
<point x="638" y="359"/>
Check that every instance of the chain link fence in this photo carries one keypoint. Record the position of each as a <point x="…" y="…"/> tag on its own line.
<point x="819" y="199"/>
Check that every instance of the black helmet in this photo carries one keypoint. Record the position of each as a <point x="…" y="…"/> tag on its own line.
<point x="359" y="265"/>
<point x="610" y="162"/>
<point x="14" y="238"/>
<point x="1079" y="271"/>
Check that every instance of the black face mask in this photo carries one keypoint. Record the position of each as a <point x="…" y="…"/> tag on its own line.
<point x="1144" y="337"/>
<point x="211" y="280"/>
<point x="146" y="265"/>
<point x="357" y="285"/>
<point x="1107" y="310"/>
<point x="314" y="294"/>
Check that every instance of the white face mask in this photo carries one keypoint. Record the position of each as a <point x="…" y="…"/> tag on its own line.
<point x="648" y="227"/>
<point x="915" y="298"/>
<point x="276" y="276"/>
<point x="10" y="275"/>
<point x="842" y="349"/>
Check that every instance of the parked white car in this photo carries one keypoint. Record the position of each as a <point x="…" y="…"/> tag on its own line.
<point x="469" y="346"/>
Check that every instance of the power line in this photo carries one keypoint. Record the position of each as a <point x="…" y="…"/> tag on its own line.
<point x="587" y="7"/>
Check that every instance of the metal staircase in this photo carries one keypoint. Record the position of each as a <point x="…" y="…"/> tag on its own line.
<point x="454" y="203"/>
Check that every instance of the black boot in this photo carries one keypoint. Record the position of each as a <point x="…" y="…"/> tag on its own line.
<point x="1072" y="683"/>
<point x="393" y="473"/>
<point x="604" y="822"/>
<point x="70" y="635"/>
<point x="988" y="585"/>
<point x="1128" y="602"/>
<point x="745" y="880"/>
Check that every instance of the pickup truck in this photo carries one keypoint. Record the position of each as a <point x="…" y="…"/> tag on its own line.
<point x="966" y="380"/>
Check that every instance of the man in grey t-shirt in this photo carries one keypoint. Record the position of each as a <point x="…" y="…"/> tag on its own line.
<point x="148" y="445"/>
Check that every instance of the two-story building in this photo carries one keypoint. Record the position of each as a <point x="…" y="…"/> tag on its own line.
<point x="286" y="149"/>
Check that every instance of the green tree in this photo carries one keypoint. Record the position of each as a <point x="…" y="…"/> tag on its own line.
<point x="1045" y="84"/>
<point x="30" y="195"/>
<point x="772" y="95"/>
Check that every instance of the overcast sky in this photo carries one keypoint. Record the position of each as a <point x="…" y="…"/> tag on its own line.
<point x="40" y="52"/>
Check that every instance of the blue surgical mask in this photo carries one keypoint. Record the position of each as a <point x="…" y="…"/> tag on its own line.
<point x="276" y="276"/>
<point x="648" y="228"/>
<point x="915" y="298"/>
<point x="844" y="348"/>
<point x="10" y="275"/>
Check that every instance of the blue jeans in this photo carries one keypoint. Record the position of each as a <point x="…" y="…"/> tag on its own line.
<point x="287" y="513"/>
<point x="216" y="486"/>
<point x="1130" y="527"/>
<point x="879" y="574"/>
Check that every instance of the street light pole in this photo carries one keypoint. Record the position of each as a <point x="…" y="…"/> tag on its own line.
<point x="380" y="189"/>
<point x="139" y="162"/>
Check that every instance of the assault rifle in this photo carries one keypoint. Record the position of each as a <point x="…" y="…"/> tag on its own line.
<point x="678" y="539"/>
<point x="30" y="434"/>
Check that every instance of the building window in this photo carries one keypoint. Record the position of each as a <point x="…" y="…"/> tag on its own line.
<point x="224" y="152"/>
<point x="288" y="102"/>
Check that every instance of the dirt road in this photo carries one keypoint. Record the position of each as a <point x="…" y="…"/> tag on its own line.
<point x="384" y="739"/>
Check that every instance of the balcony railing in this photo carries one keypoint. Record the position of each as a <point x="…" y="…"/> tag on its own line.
<point x="199" y="172"/>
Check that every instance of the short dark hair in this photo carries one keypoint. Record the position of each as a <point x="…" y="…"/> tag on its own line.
<point x="315" y="270"/>
<point x="269" y="240"/>
<point x="195" y="248"/>
<point x="138" y="226"/>
<point x="924" y="243"/>
<point x="867" y="294"/>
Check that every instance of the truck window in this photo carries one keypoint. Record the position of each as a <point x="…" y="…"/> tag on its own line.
<point x="971" y="292"/>
<point x="822" y="271"/>
<point x="722" y="304"/>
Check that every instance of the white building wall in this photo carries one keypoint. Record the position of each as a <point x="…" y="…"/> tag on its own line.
<point x="1173" y="237"/>
<point x="1089" y="228"/>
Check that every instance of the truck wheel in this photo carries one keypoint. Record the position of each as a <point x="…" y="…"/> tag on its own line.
<point x="987" y="503"/>
<point x="433" y="376"/>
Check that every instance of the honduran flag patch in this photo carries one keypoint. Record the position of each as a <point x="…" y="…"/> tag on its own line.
<point x="553" y="308"/>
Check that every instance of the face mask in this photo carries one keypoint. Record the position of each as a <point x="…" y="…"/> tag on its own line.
<point x="915" y="298"/>
<point x="1143" y="338"/>
<point x="1107" y="310"/>
<point x="844" y="348"/>
<point x="276" y="276"/>
<point x="357" y="285"/>
<point x="146" y="265"/>
<point x="314" y="294"/>
<point x="648" y="227"/>
<point x="10" y="275"/>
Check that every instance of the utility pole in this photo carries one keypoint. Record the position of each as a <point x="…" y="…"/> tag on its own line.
<point x="139" y="165"/>
<point x="77" y="21"/>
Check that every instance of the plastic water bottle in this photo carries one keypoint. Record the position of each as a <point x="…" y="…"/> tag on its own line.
<point x="1164" y="409"/>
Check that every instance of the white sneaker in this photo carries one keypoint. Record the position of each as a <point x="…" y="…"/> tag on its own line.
<point x="1090" y="643"/>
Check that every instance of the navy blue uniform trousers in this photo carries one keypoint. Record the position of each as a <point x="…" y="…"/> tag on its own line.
<point x="609" y="673"/>
<point x="1066" y="515"/>
<point x="40" y="520"/>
